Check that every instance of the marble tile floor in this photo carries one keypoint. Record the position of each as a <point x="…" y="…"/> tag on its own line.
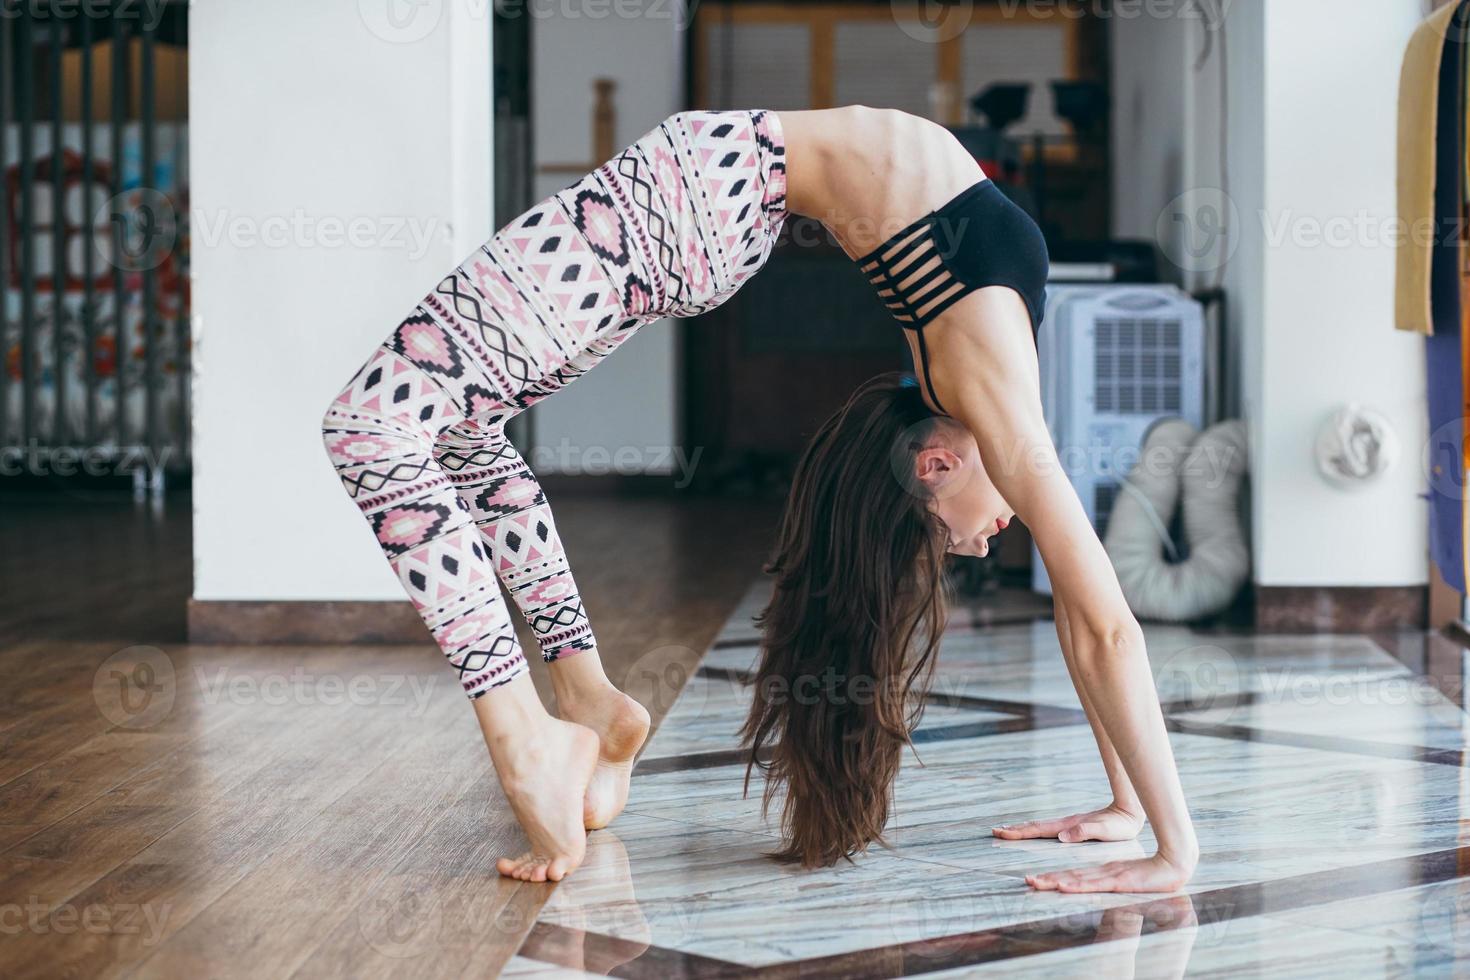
<point x="1326" y="779"/>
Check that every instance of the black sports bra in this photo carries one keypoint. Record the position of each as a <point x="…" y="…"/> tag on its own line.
<point x="978" y="238"/>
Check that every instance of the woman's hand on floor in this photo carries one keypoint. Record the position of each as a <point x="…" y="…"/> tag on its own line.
<point x="1111" y="823"/>
<point x="1153" y="874"/>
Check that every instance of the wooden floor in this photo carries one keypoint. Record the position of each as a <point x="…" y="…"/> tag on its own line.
<point x="169" y="809"/>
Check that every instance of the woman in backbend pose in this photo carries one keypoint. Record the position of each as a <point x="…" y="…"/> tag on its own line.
<point x="673" y="226"/>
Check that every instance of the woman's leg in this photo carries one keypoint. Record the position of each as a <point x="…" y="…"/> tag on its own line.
<point x="507" y="503"/>
<point x="379" y="434"/>
<point x="510" y="509"/>
<point x="670" y="227"/>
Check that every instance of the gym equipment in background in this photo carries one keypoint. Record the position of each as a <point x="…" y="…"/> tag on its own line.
<point x="1084" y="105"/>
<point x="999" y="155"/>
<point x="1114" y="359"/>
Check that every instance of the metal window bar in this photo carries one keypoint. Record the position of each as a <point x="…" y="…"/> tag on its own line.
<point x="89" y="237"/>
<point x="58" y="434"/>
<point x="55" y="173"/>
<point x="7" y="61"/>
<point x="182" y="329"/>
<point x="119" y="241"/>
<point x="25" y="115"/>
<point x="147" y="181"/>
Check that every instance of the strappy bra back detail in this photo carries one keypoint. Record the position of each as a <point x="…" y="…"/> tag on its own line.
<point x="912" y="279"/>
<point x="976" y="239"/>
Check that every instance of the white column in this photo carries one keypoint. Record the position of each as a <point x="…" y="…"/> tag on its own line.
<point x="1324" y="333"/>
<point x="340" y="164"/>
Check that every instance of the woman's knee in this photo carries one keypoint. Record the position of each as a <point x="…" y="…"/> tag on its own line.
<point x="364" y="407"/>
<point x="356" y="431"/>
<point x="342" y="443"/>
<point x="332" y="426"/>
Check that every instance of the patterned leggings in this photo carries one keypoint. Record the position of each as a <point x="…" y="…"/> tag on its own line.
<point x="672" y="226"/>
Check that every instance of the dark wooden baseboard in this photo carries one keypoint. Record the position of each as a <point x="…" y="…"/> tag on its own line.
<point x="220" y="621"/>
<point x="612" y="485"/>
<point x="1279" y="609"/>
<point x="1458" y="632"/>
<point x="1340" y="609"/>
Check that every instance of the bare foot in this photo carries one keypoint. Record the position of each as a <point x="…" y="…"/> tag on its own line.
<point x="1110" y="823"/>
<point x="1153" y="874"/>
<point x="545" y="777"/>
<point x="621" y="724"/>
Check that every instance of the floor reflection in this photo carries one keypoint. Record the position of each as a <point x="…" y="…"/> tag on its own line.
<point x="598" y="924"/>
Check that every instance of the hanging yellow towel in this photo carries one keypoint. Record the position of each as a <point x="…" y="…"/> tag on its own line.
<point x="1464" y="76"/>
<point x="1418" y="102"/>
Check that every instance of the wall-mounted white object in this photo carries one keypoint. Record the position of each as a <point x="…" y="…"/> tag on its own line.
<point x="1355" y="446"/>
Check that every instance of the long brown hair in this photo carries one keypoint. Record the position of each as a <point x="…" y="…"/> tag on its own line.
<point x="849" y="637"/>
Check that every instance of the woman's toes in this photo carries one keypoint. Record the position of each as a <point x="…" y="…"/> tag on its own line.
<point x="518" y="867"/>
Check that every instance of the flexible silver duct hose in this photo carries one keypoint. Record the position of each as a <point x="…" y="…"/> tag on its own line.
<point x="1207" y="470"/>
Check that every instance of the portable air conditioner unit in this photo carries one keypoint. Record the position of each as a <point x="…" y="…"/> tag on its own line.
<point x="1114" y="359"/>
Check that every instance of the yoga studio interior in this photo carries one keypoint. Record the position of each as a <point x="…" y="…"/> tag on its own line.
<point x="1192" y="702"/>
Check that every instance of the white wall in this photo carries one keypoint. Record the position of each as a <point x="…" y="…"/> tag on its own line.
<point x="630" y="404"/>
<point x="305" y="114"/>
<point x="1326" y="332"/>
<point x="1310" y="141"/>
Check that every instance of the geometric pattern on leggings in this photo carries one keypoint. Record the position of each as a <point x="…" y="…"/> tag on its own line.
<point x="379" y="435"/>
<point x="671" y="226"/>
<point x="508" y="505"/>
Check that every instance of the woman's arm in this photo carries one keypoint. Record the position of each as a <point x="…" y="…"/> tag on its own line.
<point x="1119" y="820"/>
<point x="985" y="370"/>
<point x="1125" y="798"/>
